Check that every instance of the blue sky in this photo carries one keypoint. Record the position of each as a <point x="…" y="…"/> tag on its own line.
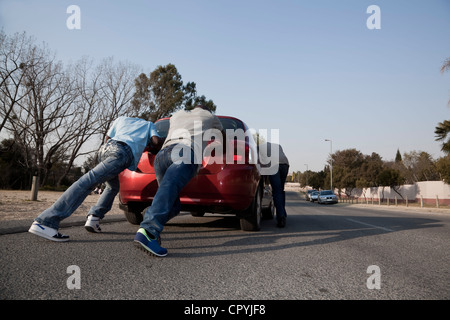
<point x="311" y="69"/>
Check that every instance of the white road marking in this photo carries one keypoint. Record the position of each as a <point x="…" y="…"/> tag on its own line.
<point x="370" y="225"/>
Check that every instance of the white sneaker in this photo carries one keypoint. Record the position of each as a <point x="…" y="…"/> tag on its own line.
<point x="47" y="232"/>
<point x="93" y="224"/>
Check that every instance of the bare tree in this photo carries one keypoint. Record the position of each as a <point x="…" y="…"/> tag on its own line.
<point x="419" y="166"/>
<point x="117" y="90"/>
<point x="87" y="113"/>
<point x="52" y="111"/>
<point x="16" y="55"/>
<point x="43" y="123"/>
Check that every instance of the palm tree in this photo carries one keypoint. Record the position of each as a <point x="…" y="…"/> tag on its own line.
<point x="446" y="65"/>
<point x="441" y="131"/>
<point x="443" y="128"/>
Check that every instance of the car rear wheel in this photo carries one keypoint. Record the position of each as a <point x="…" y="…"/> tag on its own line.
<point x="133" y="213"/>
<point x="251" y="220"/>
<point x="198" y="213"/>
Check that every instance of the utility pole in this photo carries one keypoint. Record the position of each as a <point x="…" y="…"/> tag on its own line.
<point x="331" y="164"/>
<point x="306" y="175"/>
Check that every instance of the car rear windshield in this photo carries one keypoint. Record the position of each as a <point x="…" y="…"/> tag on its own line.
<point x="162" y="126"/>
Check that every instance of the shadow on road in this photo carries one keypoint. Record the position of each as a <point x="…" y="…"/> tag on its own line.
<point x="304" y="228"/>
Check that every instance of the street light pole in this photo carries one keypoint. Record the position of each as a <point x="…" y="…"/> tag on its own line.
<point x="306" y="174"/>
<point x="331" y="163"/>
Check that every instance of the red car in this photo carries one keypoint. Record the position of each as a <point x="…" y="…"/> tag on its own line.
<point x="237" y="188"/>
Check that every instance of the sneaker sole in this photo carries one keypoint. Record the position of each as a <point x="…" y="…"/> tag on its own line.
<point x="146" y="249"/>
<point x="92" y="229"/>
<point x="43" y="235"/>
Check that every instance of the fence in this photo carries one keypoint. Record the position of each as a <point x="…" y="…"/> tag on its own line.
<point x="434" y="193"/>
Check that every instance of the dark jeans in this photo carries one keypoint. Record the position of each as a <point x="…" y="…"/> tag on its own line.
<point x="277" y="182"/>
<point x="171" y="177"/>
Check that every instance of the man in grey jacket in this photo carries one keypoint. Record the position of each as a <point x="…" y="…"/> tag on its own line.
<point x="176" y="164"/>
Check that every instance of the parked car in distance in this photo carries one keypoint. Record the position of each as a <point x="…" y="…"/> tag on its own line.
<point x="326" y="196"/>
<point x="314" y="195"/>
<point x="308" y="194"/>
<point x="226" y="188"/>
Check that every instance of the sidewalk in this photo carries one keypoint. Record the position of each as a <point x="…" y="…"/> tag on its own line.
<point x="17" y="212"/>
<point x="411" y="207"/>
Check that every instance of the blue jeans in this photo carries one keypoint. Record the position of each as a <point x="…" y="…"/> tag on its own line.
<point x="114" y="157"/>
<point x="171" y="177"/>
<point x="277" y="182"/>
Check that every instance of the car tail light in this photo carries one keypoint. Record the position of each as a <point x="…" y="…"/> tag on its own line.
<point x="237" y="152"/>
<point x="241" y="152"/>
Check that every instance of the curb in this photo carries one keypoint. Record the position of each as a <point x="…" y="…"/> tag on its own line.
<point x="397" y="208"/>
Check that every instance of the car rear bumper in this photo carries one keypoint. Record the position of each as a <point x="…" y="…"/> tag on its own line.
<point x="232" y="188"/>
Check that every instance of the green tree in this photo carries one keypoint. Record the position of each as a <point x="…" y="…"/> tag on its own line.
<point x="370" y="168"/>
<point x="419" y="166"/>
<point x="160" y="94"/>
<point x="192" y="99"/>
<point x="200" y="100"/>
<point x="347" y="168"/>
<point x="163" y="93"/>
<point x="398" y="156"/>
<point x="15" y="174"/>
<point x="141" y="103"/>
<point x="389" y="177"/>
<point x="317" y="179"/>
<point x="443" y="167"/>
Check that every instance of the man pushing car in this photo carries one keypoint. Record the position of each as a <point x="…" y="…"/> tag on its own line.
<point x="175" y="165"/>
<point x="126" y="140"/>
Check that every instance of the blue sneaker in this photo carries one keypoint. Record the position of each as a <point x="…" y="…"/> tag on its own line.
<point x="149" y="243"/>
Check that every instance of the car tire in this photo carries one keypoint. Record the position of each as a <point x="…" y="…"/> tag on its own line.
<point x="269" y="211"/>
<point x="198" y="213"/>
<point x="133" y="214"/>
<point x="251" y="220"/>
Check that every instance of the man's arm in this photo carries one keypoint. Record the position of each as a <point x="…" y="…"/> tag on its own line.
<point x="156" y="144"/>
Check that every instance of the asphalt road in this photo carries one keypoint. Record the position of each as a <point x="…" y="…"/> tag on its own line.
<point x="325" y="252"/>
